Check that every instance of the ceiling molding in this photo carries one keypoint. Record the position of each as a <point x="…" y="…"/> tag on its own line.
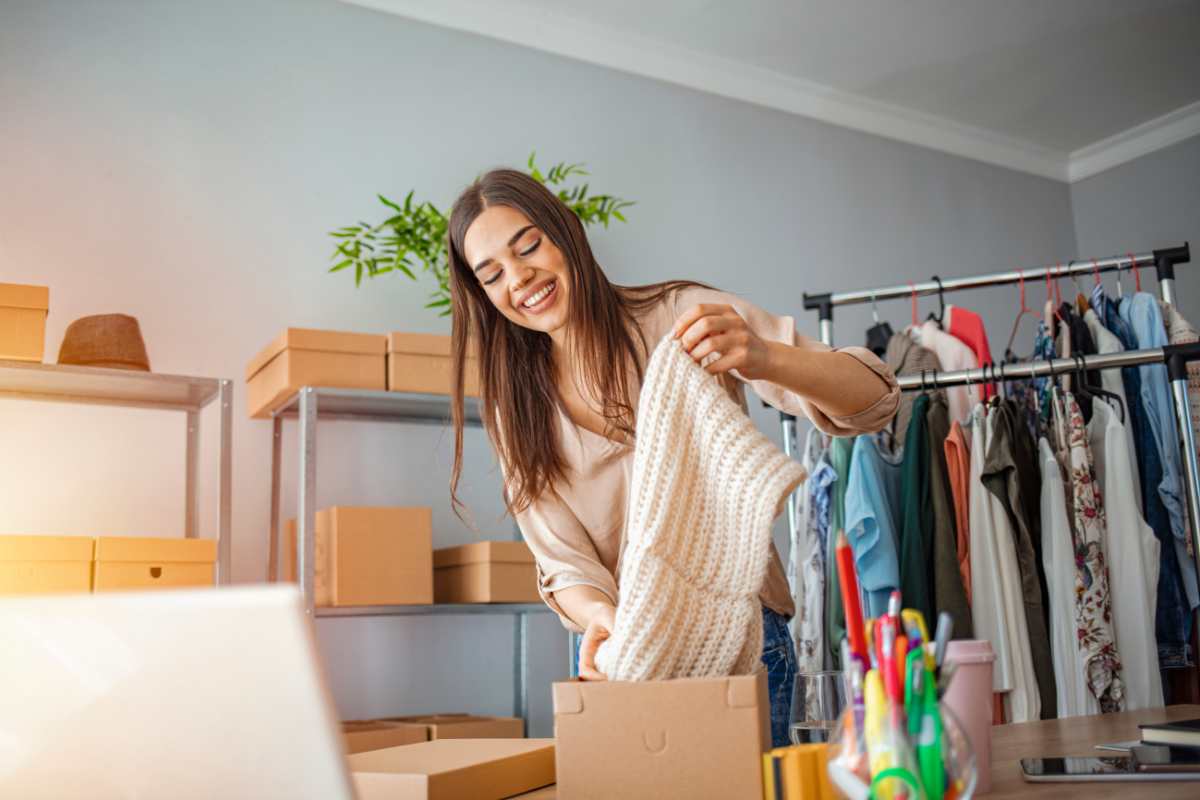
<point x="598" y="44"/>
<point x="1182" y="123"/>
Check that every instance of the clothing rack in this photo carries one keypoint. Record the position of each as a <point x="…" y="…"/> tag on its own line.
<point x="1175" y="357"/>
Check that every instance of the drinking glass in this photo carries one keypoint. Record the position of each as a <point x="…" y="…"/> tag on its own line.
<point x="817" y="702"/>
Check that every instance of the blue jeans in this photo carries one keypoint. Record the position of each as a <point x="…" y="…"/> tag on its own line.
<point x="779" y="658"/>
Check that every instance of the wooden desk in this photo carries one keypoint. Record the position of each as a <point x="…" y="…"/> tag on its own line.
<point x="1078" y="736"/>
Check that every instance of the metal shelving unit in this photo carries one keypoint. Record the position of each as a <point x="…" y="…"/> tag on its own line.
<point x="129" y="389"/>
<point x="310" y="404"/>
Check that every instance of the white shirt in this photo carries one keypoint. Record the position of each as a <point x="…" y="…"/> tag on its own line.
<point x="1058" y="561"/>
<point x="1110" y="380"/>
<point x="997" y="607"/>
<point x="1132" y="552"/>
<point x="953" y="354"/>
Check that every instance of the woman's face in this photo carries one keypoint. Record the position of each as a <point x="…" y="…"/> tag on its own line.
<point x="521" y="270"/>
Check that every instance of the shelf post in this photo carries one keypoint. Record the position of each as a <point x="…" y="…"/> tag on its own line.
<point x="225" y="485"/>
<point x="521" y="670"/>
<point x="306" y="537"/>
<point x="191" y="465"/>
<point x="273" y="532"/>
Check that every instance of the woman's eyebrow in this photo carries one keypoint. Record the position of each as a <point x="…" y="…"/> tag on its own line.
<point x="511" y="242"/>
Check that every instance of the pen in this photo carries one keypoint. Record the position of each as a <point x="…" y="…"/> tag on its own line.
<point x="945" y="625"/>
<point x="929" y="741"/>
<point x="851" y="601"/>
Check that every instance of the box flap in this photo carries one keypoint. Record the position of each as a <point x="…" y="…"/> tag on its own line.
<point x="506" y="552"/>
<point x="46" y="548"/>
<point x="317" y="340"/>
<point x="445" y="755"/>
<point x="568" y="699"/>
<point x="742" y="691"/>
<point x="155" y="550"/>
<point x="17" y="295"/>
<point x="428" y="344"/>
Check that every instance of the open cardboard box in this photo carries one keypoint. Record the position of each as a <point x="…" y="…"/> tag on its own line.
<point x="692" y="737"/>
<point x="361" y="737"/>
<point x="453" y="769"/>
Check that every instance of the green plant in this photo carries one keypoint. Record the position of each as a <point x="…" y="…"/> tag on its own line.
<point x="413" y="238"/>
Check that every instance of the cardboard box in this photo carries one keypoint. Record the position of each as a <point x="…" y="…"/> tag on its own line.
<point x="369" y="555"/>
<point x="453" y="769"/>
<point x="45" y="564"/>
<point x="461" y="726"/>
<point x="693" y="737"/>
<point x="485" y="572"/>
<point x="422" y="362"/>
<point x="129" y="562"/>
<point x="306" y="357"/>
<point x="360" y="737"/>
<point x="23" y="311"/>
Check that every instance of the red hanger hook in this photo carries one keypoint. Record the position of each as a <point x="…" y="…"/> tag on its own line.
<point x="914" y="304"/>
<point x="1096" y="271"/>
<point x="1137" y="276"/>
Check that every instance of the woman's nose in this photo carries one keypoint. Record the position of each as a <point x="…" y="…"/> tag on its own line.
<point x="523" y="276"/>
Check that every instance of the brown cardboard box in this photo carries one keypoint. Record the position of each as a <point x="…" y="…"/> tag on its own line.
<point x="485" y="572"/>
<point x="306" y="357"/>
<point x="421" y="362"/>
<point x="359" y="737"/>
<point x="369" y="555"/>
<point x="23" y="312"/>
<point x="693" y="737"/>
<point x="461" y="726"/>
<point x="45" y="564"/>
<point x="453" y="769"/>
<point x="129" y="562"/>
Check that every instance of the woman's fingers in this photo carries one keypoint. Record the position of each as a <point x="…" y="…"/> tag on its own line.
<point x="694" y="313"/>
<point x="727" y="344"/>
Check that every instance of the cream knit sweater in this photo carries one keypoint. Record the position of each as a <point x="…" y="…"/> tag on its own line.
<point x="706" y="487"/>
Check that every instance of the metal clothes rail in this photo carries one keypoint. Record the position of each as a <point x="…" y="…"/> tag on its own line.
<point x="1175" y="357"/>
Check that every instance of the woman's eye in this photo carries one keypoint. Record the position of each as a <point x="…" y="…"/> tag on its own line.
<point x="493" y="279"/>
<point x="531" y="248"/>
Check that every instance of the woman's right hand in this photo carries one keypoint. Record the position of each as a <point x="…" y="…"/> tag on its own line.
<point x="599" y="628"/>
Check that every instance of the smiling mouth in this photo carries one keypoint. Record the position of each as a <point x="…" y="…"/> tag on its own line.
<point x="541" y="298"/>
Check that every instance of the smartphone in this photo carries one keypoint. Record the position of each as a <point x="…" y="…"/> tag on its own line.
<point x="1115" y="768"/>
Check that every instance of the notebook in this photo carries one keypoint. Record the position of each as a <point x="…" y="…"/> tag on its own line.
<point x="1185" y="732"/>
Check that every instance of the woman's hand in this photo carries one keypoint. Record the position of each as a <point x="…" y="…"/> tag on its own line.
<point x="598" y="629"/>
<point x="707" y="329"/>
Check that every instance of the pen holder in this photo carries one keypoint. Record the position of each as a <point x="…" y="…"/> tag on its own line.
<point x="893" y="769"/>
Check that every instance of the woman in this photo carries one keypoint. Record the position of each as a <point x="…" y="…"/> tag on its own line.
<point x="561" y="355"/>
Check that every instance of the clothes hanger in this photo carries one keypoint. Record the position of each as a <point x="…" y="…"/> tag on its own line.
<point x="941" y="304"/>
<point x="1009" y="355"/>
<point x="1096" y="392"/>
<point x="1137" y="275"/>
<point x="878" y="334"/>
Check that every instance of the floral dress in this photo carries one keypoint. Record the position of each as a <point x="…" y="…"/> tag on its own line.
<point x="1093" y="606"/>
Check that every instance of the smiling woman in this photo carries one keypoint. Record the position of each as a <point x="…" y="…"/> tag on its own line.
<point x="562" y="353"/>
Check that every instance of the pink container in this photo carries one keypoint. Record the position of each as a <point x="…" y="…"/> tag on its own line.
<point x="970" y="698"/>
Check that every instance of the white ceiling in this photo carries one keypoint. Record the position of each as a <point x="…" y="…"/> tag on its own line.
<point x="1063" y="88"/>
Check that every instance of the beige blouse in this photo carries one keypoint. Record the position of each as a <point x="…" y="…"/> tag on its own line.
<point x="576" y="529"/>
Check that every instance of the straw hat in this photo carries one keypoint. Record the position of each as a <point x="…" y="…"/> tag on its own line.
<point x="105" y="340"/>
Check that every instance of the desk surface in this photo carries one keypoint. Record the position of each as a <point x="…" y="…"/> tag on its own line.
<point x="1077" y="736"/>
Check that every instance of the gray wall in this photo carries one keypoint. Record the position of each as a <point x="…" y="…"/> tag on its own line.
<point x="183" y="162"/>
<point x="1151" y="202"/>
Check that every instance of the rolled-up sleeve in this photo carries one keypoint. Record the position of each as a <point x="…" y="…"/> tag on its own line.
<point x="783" y="329"/>
<point x="563" y="551"/>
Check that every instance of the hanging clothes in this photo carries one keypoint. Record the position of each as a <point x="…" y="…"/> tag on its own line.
<point x="906" y="357"/>
<point x="872" y="521"/>
<point x="1144" y="317"/>
<point x="997" y="608"/>
<point x="916" y="525"/>
<point x="1080" y="343"/>
<point x="953" y="355"/>
<point x="798" y="546"/>
<point x="949" y="584"/>
<point x="1058" y="559"/>
<point x="1010" y="473"/>
<point x="839" y="454"/>
<point x="1110" y="380"/>
<point x="810" y="627"/>
<point x="1132" y="554"/>
<point x="958" y="468"/>
<point x="967" y="327"/>
<point x="1172" y="615"/>
<point x="1093" y="609"/>
<point x="1180" y="331"/>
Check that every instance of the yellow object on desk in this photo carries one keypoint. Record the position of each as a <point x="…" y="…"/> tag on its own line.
<point x="797" y="773"/>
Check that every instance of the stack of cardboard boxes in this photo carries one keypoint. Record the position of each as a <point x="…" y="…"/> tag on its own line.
<point x="64" y="564"/>
<point x="23" y="311"/>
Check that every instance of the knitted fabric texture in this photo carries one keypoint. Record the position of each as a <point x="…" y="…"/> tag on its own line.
<point x="706" y="486"/>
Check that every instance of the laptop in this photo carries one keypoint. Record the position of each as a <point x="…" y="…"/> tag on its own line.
<point x="213" y="693"/>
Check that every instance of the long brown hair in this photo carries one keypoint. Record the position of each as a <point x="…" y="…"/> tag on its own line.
<point x="516" y="369"/>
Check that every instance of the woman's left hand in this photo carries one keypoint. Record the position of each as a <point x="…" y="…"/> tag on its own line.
<point x="710" y="328"/>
